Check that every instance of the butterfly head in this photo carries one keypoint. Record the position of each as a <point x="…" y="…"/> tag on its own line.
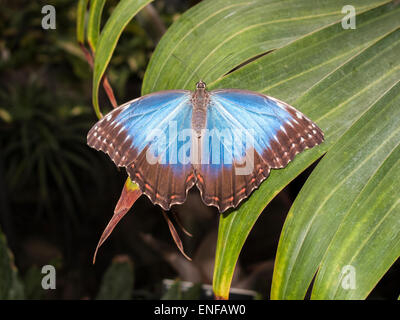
<point x="200" y="85"/>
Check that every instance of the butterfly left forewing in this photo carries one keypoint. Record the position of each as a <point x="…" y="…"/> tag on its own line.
<point x="142" y="136"/>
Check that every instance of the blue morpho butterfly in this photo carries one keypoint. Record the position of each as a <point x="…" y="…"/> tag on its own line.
<point x="224" y="141"/>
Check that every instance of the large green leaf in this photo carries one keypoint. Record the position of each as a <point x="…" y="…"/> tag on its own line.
<point x="331" y="74"/>
<point x="80" y="20"/>
<point x="341" y="106"/>
<point x="213" y="37"/>
<point x="121" y="16"/>
<point x="351" y="195"/>
<point x="368" y="238"/>
<point x="94" y="20"/>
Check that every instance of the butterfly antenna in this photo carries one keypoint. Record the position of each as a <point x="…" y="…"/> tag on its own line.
<point x="187" y="66"/>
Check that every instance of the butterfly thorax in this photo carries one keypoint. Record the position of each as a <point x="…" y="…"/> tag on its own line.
<point x="200" y="101"/>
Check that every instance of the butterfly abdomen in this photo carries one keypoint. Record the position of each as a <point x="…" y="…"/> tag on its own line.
<point x="200" y="101"/>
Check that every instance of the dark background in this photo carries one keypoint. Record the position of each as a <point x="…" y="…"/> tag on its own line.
<point x="57" y="194"/>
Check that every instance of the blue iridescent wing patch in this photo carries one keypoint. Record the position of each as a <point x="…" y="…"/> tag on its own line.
<point x="261" y="133"/>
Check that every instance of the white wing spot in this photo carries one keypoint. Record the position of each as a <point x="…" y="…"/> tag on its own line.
<point x="108" y="117"/>
<point x="301" y="139"/>
<point x="299" y="115"/>
<point x="120" y="130"/>
<point x="309" y="135"/>
<point x="314" y="131"/>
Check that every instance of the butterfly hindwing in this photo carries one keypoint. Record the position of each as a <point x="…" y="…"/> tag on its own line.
<point x="264" y="133"/>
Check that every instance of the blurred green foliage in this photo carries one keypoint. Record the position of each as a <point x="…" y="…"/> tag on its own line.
<point x="44" y="146"/>
<point x="176" y="292"/>
<point x="53" y="188"/>
<point x="45" y="103"/>
<point x="10" y="285"/>
<point x="43" y="118"/>
<point x="117" y="282"/>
